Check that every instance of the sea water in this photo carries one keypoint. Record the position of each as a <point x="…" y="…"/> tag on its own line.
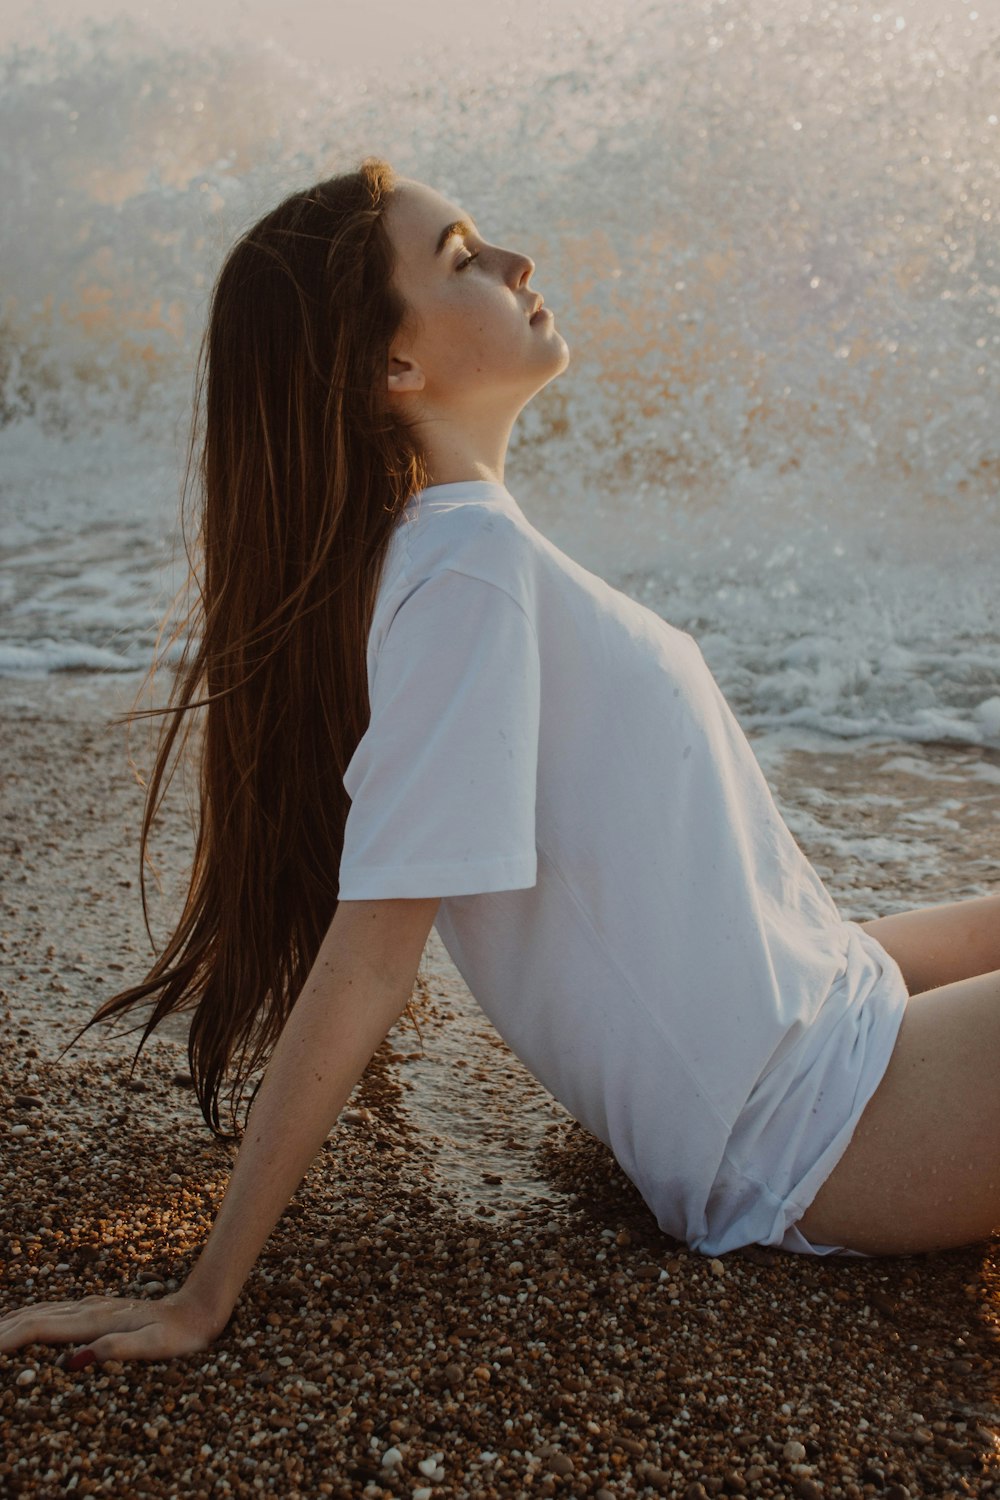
<point x="768" y="229"/>
<point x="769" y="234"/>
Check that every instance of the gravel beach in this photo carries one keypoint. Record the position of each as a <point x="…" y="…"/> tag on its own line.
<point x="466" y="1297"/>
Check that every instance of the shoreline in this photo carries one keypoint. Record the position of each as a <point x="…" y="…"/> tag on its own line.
<point x="469" y="1301"/>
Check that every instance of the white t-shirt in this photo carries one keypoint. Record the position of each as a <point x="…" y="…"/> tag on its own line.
<point x="621" y="894"/>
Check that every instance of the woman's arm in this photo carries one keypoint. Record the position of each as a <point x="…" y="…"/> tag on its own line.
<point x="356" y="990"/>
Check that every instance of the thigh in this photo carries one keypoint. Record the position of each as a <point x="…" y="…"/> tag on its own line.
<point x="922" y="1169"/>
<point x="938" y="945"/>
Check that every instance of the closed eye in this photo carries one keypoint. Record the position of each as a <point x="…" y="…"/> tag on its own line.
<point x="474" y="255"/>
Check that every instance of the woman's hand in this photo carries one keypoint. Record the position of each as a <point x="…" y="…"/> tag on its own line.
<point x="360" y="981"/>
<point x="114" y="1327"/>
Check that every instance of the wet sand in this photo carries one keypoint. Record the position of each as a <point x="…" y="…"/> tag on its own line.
<point x="465" y="1297"/>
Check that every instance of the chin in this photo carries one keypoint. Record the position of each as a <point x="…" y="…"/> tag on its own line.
<point x="563" y="358"/>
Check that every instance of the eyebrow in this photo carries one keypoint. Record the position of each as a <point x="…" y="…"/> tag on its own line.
<point x="460" y="226"/>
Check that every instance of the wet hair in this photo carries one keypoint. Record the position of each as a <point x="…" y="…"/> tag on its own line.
<point x="303" y="468"/>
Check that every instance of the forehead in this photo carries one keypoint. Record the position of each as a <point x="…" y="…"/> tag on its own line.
<point x="416" y="216"/>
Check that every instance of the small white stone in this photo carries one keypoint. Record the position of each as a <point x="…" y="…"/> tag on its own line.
<point x="424" y="1493"/>
<point x="717" y="1268"/>
<point x="26" y="1377"/>
<point x="175" y="1178"/>
<point x="427" y="1466"/>
<point x="19" y="1130"/>
<point x="793" y="1452"/>
<point x="391" y="1458"/>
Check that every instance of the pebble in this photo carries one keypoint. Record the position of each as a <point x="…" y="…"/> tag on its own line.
<point x="793" y="1452"/>
<point x="809" y="1489"/>
<point x="26" y="1377"/>
<point x="20" y="1129"/>
<point x="27" y="1101"/>
<point x="392" y="1458"/>
<point x="561" y="1463"/>
<point x="390" y="1291"/>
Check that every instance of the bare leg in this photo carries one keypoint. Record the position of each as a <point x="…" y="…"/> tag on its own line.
<point x="937" y="945"/>
<point x="922" y="1169"/>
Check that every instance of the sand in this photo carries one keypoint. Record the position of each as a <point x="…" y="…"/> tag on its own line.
<point x="465" y="1297"/>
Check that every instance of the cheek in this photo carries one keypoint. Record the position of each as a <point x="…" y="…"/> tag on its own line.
<point x="483" y="334"/>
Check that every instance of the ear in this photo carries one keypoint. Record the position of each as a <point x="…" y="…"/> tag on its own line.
<point x="404" y="375"/>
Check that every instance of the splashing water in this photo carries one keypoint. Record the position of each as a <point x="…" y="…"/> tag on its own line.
<point x="768" y="233"/>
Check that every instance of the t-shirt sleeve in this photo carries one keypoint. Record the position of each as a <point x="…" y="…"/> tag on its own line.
<point x="442" y="783"/>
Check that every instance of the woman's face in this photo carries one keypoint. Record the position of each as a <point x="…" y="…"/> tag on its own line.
<point x="469" y="348"/>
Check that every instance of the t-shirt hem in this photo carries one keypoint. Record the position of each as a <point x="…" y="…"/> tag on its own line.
<point x="785" y="1209"/>
<point x="377" y="882"/>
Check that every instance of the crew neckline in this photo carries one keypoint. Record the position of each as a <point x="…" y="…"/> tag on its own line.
<point x="468" y="486"/>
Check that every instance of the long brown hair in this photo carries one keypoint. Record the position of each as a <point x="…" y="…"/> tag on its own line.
<point x="303" y="471"/>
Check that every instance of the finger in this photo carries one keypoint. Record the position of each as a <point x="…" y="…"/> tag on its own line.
<point x="40" y="1328"/>
<point x="9" y="1319"/>
<point x="64" y="1323"/>
<point x="151" y="1342"/>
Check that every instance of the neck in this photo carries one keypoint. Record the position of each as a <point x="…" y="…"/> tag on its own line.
<point x="454" y="453"/>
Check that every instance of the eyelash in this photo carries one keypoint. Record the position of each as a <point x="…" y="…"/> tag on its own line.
<point x="473" y="255"/>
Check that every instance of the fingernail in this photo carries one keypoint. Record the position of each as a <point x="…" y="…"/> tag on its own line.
<point x="80" y="1360"/>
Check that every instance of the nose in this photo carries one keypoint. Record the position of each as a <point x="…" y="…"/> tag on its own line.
<point x="526" y="268"/>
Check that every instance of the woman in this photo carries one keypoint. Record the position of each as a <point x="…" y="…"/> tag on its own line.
<point x="417" y="710"/>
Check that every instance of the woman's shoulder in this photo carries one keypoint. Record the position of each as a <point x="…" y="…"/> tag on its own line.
<point x="486" y="538"/>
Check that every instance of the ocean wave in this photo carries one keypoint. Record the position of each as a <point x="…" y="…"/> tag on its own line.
<point x="46" y="656"/>
<point x="767" y="231"/>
